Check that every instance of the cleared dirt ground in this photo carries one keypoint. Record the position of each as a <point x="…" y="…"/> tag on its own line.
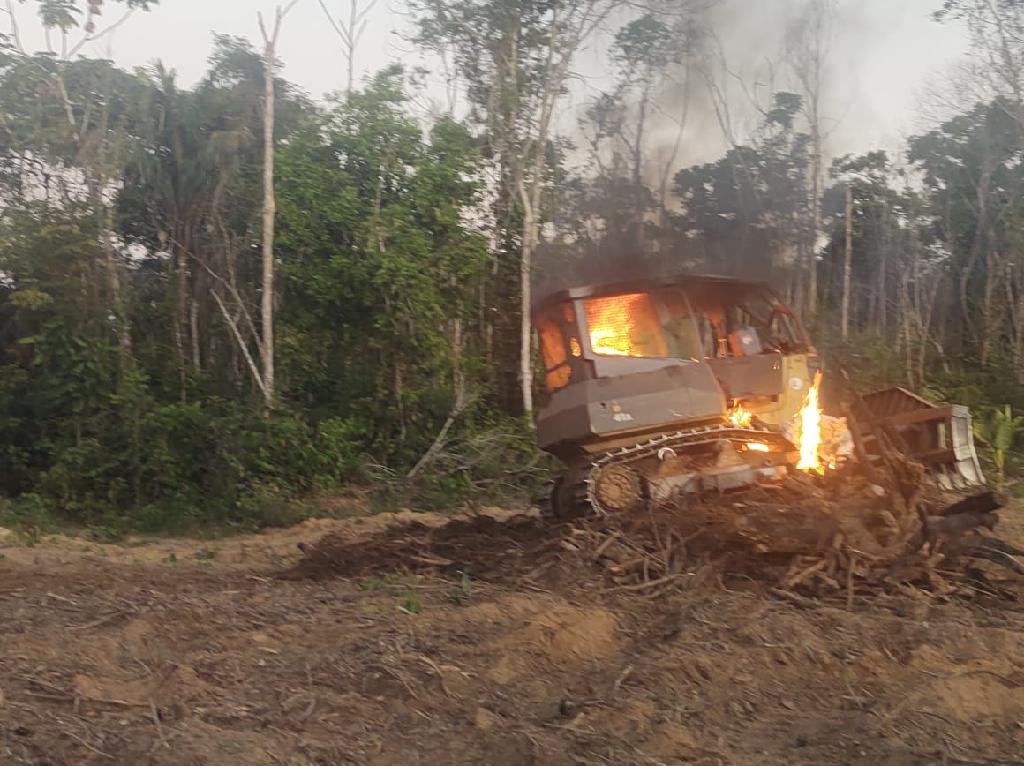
<point x="185" y="652"/>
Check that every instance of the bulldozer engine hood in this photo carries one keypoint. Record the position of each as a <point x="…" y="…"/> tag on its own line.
<point x="599" y="410"/>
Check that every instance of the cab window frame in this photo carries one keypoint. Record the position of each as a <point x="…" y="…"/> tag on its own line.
<point x="658" y="305"/>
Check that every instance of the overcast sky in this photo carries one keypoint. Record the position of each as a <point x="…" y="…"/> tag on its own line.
<point x="885" y="53"/>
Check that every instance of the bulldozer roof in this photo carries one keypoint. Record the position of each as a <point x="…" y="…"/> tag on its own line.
<point x="706" y="282"/>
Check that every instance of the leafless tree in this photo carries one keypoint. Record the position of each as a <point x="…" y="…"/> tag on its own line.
<point x="571" y="24"/>
<point x="350" y="31"/>
<point x="808" y="41"/>
<point x="844" y="320"/>
<point x="270" y="38"/>
<point x="997" y="41"/>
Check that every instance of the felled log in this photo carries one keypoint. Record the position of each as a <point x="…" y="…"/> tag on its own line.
<point x="937" y="527"/>
<point x="960" y="530"/>
<point x="989" y="549"/>
<point x="982" y="502"/>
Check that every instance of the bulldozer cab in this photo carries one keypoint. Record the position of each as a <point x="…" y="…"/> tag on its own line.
<point x="754" y="346"/>
<point x="635" y="405"/>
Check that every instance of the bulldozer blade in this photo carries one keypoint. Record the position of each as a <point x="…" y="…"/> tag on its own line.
<point x="967" y="466"/>
<point x="938" y="437"/>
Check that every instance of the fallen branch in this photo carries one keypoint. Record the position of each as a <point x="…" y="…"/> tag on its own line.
<point x="644" y="585"/>
<point x="156" y="722"/>
<point x="440" y="675"/>
<point x="983" y="502"/>
<point x="86" y="745"/>
<point x="605" y="545"/>
<point x="795" y="598"/>
<point x="242" y="346"/>
<point x="461" y="403"/>
<point x="434" y="448"/>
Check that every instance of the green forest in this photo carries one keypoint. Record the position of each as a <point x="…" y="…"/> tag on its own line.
<point x="218" y="300"/>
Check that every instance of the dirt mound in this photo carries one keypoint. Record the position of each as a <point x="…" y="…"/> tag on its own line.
<point x="562" y="635"/>
<point x="811" y="536"/>
<point x="481" y="547"/>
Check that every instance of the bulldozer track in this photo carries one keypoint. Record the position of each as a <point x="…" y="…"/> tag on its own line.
<point x="584" y="496"/>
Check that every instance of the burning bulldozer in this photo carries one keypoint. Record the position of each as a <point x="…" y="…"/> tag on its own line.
<point x="672" y="387"/>
<point x="701" y="399"/>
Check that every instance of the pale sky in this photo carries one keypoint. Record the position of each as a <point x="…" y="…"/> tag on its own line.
<point x="885" y="54"/>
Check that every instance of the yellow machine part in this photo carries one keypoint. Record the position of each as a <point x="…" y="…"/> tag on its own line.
<point x="796" y="379"/>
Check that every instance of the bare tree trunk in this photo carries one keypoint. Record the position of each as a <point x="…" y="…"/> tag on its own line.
<point x="883" y="269"/>
<point x="809" y="40"/>
<point x="521" y="127"/>
<point x="1014" y="286"/>
<point x="797" y="256"/>
<point x="180" y="303"/>
<point x="638" y="157"/>
<point x="232" y="323"/>
<point x="670" y="163"/>
<point x="459" y="386"/>
<point x="981" y="203"/>
<point x="269" y="212"/>
<point x="269" y="203"/>
<point x="96" y="181"/>
<point x="526" y="325"/>
<point x="990" y="318"/>
<point x="193" y="322"/>
<point x="905" y="332"/>
<point x="844" y="320"/>
<point x="399" y="381"/>
<point x="914" y="305"/>
<point x="812" y="255"/>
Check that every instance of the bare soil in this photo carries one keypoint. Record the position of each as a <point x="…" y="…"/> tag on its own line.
<point x="415" y="639"/>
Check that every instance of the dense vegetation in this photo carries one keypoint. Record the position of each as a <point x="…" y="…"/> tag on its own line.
<point x="131" y="387"/>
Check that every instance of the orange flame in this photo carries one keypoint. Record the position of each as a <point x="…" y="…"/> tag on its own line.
<point x="758" y="447"/>
<point x="610" y="321"/>
<point x="740" y="417"/>
<point x="625" y="325"/>
<point x="810" y="431"/>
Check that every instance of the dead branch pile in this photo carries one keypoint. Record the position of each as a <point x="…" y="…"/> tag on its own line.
<point x="808" y="536"/>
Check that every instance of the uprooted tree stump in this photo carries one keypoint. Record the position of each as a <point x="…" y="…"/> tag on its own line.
<point x="875" y="521"/>
<point x="807" y="535"/>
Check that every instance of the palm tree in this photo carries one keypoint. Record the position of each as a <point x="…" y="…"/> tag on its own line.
<point x="999" y="433"/>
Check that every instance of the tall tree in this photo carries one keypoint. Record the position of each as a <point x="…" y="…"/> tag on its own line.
<point x="644" y="50"/>
<point x="96" y="131"/>
<point x="970" y="169"/>
<point x="270" y="39"/>
<point x="844" y="315"/>
<point x="808" y="41"/>
<point x="516" y="58"/>
<point x="997" y="44"/>
<point x="747" y="212"/>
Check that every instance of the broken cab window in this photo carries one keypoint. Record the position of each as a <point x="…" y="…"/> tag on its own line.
<point x="625" y="325"/>
<point x="556" y="360"/>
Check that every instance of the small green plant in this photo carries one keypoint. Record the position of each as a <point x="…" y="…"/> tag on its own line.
<point x="411" y="605"/>
<point x="461" y="596"/>
<point x="171" y="558"/>
<point x="372" y="584"/>
<point x="999" y="432"/>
